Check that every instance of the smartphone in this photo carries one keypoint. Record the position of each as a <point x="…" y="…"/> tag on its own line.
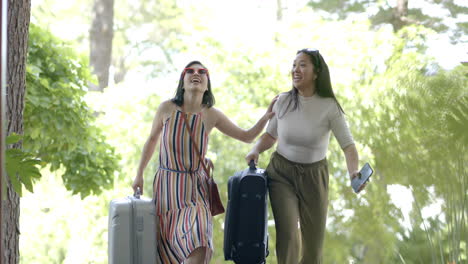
<point x="363" y="177"/>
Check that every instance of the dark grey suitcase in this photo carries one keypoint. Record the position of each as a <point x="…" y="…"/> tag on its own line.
<point x="245" y="226"/>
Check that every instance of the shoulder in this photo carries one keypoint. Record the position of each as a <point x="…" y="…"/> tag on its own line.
<point x="330" y="105"/>
<point x="167" y="106"/>
<point x="211" y="116"/>
<point x="213" y="112"/>
<point x="327" y="102"/>
<point x="282" y="97"/>
<point x="165" y="110"/>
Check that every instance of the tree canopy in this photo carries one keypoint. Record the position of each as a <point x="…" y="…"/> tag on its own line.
<point x="407" y="114"/>
<point x="59" y="124"/>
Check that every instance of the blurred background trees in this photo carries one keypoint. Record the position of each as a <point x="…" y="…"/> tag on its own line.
<point x="441" y="16"/>
<point x="407" y="109"/>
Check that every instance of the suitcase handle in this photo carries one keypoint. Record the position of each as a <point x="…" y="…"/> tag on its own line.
<point x="137" y="194"/>
<point x="252" y="165"/>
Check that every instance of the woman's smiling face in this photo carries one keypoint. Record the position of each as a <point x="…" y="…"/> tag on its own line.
<point x="196" y="78"/>
<point x="302" y="72"/>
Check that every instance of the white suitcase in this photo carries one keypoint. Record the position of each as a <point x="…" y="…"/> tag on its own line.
<point x="132" y="231"/>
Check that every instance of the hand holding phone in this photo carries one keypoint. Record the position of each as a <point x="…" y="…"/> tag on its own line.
<point x="363" y="176"/>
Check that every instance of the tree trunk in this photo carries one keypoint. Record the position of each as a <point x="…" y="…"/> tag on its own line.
<point x="400" y="15"/>
<point x="18" y="29"/>
<point x="279" y="10"/>
<point x="101" y="35"/>
<point x="3" y="29"/>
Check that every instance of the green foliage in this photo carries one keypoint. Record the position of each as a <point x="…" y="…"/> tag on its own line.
<point x="421" y="123"/>
<point x="21" y="166"/>
<point x="408" y="118"/>
<point x="126" y="120"/>
<point x="147" y="34"/>
<point x="340" y="8"/>
<point x="413" y="247"/>
<point x="161" y="36"/>
<point x="407" y="145"/>
<point x="58" y="227"/>
<point x="383" y="13"/>
<point x="58" y="123"/>
<point x="426" y="128"/>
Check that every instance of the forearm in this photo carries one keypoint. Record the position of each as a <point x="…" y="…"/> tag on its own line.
<point x="352" y="158"/>
<point x="254" y="131"/>
<point x="264" y="143"/>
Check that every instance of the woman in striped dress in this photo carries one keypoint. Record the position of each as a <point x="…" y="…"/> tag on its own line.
<point x="180" y="186"/>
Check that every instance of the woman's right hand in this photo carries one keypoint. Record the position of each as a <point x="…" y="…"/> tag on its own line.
<point x="138" y="182"/>
<point x="253" y="155"/>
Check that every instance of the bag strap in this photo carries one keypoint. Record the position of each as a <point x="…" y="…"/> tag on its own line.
<point x="210" y="163"/>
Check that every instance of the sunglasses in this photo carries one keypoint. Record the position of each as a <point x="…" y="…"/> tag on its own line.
<point x="201" y="71"/>
<point x="311" y="50"/>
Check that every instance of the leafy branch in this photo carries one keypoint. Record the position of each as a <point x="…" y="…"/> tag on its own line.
<point x="21" y="166"/>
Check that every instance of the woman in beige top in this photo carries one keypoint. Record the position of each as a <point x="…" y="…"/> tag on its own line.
<point x="298" y="172"/>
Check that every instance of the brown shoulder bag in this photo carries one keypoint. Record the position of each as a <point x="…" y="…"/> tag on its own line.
<point x="216" y="206"/>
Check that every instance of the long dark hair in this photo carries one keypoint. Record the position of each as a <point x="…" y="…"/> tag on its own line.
<point x="208" y="97"/>
<point x="323" y="85"/>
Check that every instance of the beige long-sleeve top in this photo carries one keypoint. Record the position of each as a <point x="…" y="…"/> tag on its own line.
<point x="303" y="134"/>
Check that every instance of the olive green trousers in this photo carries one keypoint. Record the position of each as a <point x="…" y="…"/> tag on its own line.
<point x="298" y="194"/>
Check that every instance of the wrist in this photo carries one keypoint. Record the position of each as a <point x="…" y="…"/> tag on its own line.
<point x="254" y="151"/>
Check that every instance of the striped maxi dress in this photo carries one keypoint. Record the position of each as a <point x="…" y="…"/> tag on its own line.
<point x="180" y="191"/>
